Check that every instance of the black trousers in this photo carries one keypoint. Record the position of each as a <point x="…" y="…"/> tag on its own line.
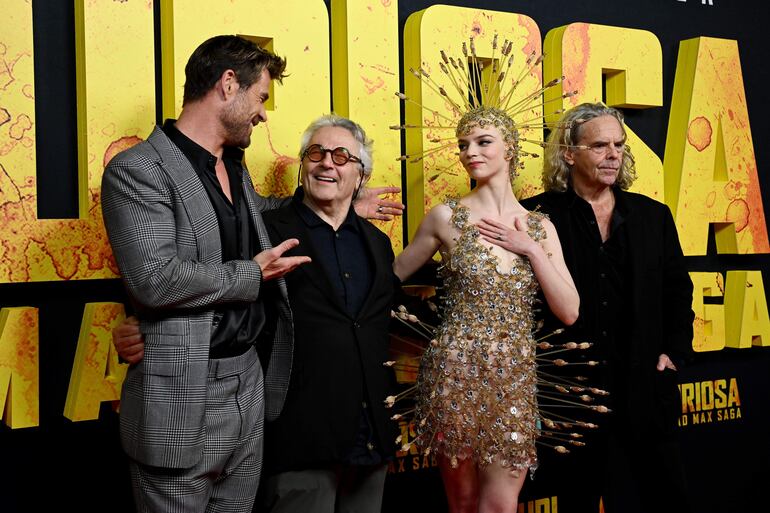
<point x="628" y="476"/>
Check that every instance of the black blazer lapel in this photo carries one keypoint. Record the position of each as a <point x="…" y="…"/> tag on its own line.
<point x="192" y="195"/>
<point x="383" y="267"/>
<point x="639" y="245"/>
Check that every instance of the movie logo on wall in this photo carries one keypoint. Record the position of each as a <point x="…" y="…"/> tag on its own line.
<point x="710" y="401"/>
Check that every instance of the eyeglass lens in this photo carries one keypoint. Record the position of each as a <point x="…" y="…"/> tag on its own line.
<point x="340" y="155"/>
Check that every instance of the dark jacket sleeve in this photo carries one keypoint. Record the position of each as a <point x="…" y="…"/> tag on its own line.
<point x="678" y="315"/>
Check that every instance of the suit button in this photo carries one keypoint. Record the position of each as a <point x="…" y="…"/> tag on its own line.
<point x="370" y="446"/>
<point x="356" y="325"/>
<point x="364" y="404"/>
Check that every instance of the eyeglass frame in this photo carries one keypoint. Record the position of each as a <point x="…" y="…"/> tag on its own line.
<point x="602" y="149"/>
<point x="348" y="156"/>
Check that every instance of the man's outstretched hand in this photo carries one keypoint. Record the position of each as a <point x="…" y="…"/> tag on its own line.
<point x="274" y="265"/>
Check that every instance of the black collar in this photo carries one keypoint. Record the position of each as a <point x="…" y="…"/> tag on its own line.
<point x="198" y="156"/>
<point x="621" y="203"/>
<point x="313" y="220"/>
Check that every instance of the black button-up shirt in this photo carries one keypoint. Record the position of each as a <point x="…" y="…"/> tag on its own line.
<point x="342" y="254"/>
<point x="344" y="258"/>
<point x="236" y="325"/>
<point x="604" y="271"/>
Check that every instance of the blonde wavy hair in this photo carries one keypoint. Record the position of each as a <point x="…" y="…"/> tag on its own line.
<point x="566" y="134"/>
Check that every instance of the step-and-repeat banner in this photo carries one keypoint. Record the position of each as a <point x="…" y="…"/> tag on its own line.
<point x="83" y="80"/>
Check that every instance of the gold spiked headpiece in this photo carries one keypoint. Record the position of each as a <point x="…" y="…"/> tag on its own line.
<point x="479" y="92"/>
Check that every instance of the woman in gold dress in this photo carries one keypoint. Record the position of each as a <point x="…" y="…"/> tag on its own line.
<point x="476" y="404"/>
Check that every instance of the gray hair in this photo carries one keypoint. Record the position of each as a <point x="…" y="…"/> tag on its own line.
<point x="332" y="120"/>
<point x="566" y="134"/>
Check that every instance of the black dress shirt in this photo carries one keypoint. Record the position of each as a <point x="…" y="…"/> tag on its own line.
<point x="604" y="271"/>
<point x="343" y="256"/>
<point x="236" y="325"/>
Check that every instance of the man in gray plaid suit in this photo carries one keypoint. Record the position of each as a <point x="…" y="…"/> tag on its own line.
<point x="184" y="223"/>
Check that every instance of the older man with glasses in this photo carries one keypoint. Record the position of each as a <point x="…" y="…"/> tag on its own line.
<point x="328" y="450"/>
<point x="635" y="305"/>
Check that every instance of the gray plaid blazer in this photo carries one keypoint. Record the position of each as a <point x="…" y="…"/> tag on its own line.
<point x="165" y="237"/>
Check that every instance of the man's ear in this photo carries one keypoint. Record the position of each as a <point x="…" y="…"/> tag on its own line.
<point x="227" y="85"/>
<point x="569" y="156"/>
<point x="362" y="179"/>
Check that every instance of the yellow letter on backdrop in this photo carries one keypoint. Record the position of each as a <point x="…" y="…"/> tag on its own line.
<point x="96" y="374"/>
<point x="709" y="325"/>
<point x="19" y="367"/>
<point x="442" y="27"/>
<point x="746" y="318"/>
<point x="630" y="62"/>
<point x="711" y="171"/>
<point x="295" y="29"/>
<point x="113" y="98"/>
<point x="365" y="69"/>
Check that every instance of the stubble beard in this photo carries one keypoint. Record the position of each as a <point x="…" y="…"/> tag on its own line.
<point x="237" y="130"/>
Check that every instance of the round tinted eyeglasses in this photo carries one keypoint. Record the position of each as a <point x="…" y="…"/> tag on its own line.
<point x="340" y="155"/>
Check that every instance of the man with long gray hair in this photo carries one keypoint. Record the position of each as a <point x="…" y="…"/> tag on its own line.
<point x="635" y="306"/>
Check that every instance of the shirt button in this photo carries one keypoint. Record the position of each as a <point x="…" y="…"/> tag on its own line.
<point x="336" y="235"/>
<point x="346" y="275"/>
<point x="356" y="325"/>
<point x="592" y="223"/>
<point x="604" y="303"/>
<point x="363" y="403"/>
<point x="604" y="333"/>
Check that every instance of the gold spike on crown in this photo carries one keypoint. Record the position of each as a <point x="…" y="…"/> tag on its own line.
<point x="476" y="97"/>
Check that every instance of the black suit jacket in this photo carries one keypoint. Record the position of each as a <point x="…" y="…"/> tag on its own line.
<point x="660" y="309"/>
<point x="338" y="359"/>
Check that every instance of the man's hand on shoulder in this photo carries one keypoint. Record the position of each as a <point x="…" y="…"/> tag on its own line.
<point x="369" y="205"/>
<point x="128" y="341"/>
<point x="274" y="265"/>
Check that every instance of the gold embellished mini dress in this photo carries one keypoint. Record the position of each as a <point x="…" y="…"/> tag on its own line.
<point x="477" y="380"/>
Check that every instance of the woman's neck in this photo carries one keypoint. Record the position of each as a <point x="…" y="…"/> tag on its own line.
<point x="494" y="197"/>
